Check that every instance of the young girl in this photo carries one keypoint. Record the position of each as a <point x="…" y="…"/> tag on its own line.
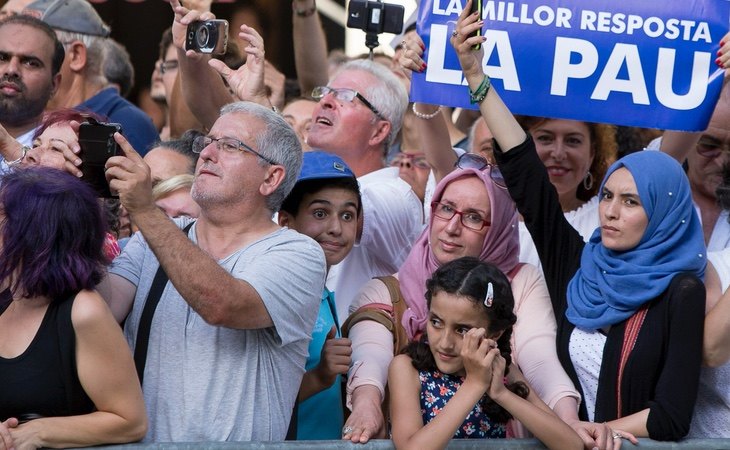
<point x="451" y="384"/>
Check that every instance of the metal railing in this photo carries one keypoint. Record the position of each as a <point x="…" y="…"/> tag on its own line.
<point x="381" y="444"/>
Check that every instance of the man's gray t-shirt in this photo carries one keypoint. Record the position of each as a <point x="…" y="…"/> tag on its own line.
<point x="209" y="383"/>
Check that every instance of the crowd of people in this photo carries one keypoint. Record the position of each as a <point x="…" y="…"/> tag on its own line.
<point x="319" y="259"/>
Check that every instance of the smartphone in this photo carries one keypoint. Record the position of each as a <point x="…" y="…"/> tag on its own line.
<point x="476" y="6"/>
<point x="375" y="17"/>
<point x="97" y="146"/>
<point x="207" y="36"/>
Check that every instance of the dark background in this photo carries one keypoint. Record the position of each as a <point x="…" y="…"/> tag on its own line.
<point x="138" y="25"/>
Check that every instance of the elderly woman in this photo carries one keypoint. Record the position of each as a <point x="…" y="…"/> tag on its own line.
<point x="67" y="375"/>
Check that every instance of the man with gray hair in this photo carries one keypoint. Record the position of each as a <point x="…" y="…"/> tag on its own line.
<point x="222" y="355"/>
<point x="83" y="84"/>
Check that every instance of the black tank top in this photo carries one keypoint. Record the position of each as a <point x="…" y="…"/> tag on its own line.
<point x="43" y="381"/>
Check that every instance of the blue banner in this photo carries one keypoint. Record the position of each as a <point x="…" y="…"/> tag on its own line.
<point x="638" y="63"/>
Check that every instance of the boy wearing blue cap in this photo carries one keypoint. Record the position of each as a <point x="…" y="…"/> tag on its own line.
<point x="324" y="205"/>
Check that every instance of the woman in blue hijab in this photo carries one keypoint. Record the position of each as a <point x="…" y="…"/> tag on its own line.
<point x="629" y="303"/>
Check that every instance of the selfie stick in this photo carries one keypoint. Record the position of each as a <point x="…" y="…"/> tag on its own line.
<point x="371" y="41"/>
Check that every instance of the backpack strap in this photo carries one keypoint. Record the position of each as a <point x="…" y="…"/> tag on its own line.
<point x="388" y="315"/>
<point x="145" y="321"/>
<point x="400" y="338"/>
<point x="631" y="333"/>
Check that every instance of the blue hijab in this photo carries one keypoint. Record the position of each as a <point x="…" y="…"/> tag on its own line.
<point x="610" y="286"/>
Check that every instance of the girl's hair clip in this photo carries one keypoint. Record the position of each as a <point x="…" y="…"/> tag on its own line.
<point x="489" y="299"/>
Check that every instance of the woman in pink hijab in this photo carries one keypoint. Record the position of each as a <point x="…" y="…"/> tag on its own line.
<point x="472" y="214"/>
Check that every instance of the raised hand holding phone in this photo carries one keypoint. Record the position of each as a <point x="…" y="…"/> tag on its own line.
<point x="97" y="143"/>
<point x="476" y="7"/>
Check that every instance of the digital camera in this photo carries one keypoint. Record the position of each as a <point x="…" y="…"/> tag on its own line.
<point x="209" y="36"/>
<point x="375" y="16"/>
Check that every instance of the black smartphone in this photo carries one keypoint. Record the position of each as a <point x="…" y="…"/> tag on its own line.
<point x="375" y="17"/>
<point x="97" y="146"/>
<point x="476" y="6"/>
<point x="208" y="36"/>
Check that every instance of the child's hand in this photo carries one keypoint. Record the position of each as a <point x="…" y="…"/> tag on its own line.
<point x="335" y="358"/>
<point x="478" y="353"/>
<point x="497" y="387"/>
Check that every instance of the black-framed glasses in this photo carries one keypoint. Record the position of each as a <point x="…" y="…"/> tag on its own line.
<point x="166" y="66"/>
<point x="712" y="148"/>
<point x="417" y="160"/>
<point x="478" y="162"/>
<point x="226" y="144"/>
<point x="344" y="95"/>
<point x="470" y="219"/>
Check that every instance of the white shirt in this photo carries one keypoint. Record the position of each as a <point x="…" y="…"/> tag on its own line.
<point x="584" y="220"/>
<point x="392" y="220"/>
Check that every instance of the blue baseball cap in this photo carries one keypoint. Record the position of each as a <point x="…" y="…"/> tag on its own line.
<point x="323" y="165"/>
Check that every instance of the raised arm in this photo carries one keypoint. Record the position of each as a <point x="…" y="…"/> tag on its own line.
<point x="431" y="126"/>
<point x="678" y="144"/>
<point x="228" y="302"/>
<point x="500" y="120"/>
<point x="195" y="74"/>
<point x="310" y="46"/>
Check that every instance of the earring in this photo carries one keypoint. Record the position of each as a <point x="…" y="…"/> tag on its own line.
<point x="588" y="181"/>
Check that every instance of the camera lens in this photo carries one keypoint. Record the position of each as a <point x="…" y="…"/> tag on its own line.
<point x="202" y="37"/>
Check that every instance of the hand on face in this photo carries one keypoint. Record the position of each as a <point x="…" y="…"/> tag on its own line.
<point x="57" y="147"/>
<point x="478" y="354"/>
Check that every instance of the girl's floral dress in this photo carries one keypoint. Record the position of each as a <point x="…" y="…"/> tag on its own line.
<point x="437" y="389"/>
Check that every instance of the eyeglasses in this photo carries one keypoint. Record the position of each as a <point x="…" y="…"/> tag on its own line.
<point x="343" y="95"/>
<point x="474" y="161"/>
<point x="166" y="66"/>
<point x="226" y="144"/>
<point x="711" y="148"/>
<point x="417" y="160"/>
<point x="471" y="220"/>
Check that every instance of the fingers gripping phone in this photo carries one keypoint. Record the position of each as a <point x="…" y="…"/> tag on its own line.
<point x="208" y="36"/>
<point x="476" y="6"/>
<point x="97" y="146"/>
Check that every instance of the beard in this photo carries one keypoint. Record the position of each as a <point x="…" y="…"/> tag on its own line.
<point x="21" y="109"/>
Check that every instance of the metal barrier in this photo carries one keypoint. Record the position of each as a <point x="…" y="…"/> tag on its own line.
<point x="457" y="444"/>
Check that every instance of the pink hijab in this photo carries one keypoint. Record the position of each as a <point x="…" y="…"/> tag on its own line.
<point x="501" y="247"/>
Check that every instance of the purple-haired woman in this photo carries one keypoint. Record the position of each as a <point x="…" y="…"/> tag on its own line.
<point x="67" y="378"/>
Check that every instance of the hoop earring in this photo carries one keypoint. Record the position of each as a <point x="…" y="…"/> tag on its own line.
<point x="588" y="181"/>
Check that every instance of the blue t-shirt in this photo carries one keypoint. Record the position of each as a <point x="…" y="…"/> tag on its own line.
<point x="137" y="126"/>
<point x="320" y="416"/>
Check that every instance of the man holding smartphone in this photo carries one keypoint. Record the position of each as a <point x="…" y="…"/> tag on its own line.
<point x="230" y="333"/>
